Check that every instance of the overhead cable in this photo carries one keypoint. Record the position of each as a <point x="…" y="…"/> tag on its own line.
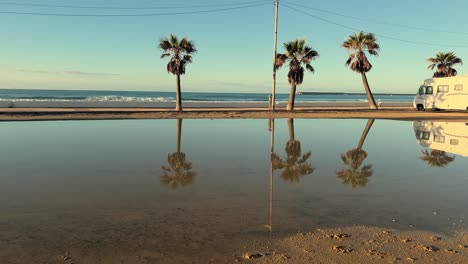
<point x="129" y="7"/>
<point x="381" y="36"/>
<point x="133" y="15"/>
<point x="376" y="21"/>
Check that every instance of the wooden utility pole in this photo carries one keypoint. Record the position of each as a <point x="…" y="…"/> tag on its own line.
<point x="273" y="89"/>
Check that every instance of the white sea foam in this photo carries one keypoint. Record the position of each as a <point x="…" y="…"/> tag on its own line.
<point x="93" y="99"/>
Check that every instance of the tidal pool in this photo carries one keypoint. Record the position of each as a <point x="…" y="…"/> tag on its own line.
<point x="199" y="191"/>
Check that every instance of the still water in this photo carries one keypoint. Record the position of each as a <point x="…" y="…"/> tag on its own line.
<point x="195" y="190"/>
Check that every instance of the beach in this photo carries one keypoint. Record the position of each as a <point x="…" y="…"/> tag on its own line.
<point x="223" y="110"/>
<point x="109" y="191"/>
<point x="220" y="132"/>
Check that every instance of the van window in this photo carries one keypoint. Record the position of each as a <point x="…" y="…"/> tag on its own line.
<point x="425" y="90"/>
<point x="458" y="87"/>
<point x="422" y="134"/>
<point x="440" y="139"/>
<point x="422" y="90"/>
<point x="454" y="142"/>
<point x="428" y="89"/>
<point x="442" y="88"/>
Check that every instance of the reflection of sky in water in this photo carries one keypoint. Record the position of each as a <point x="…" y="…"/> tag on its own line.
<point x="115" y="165"/>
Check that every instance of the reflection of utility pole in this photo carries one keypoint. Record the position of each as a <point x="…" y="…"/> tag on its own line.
<point x="271" y="125"/>
<point x="273" y="89"/>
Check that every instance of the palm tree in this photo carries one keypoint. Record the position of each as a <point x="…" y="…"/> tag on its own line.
<point x="181" y="54"/>
<point x="352" y="172"/>
<point x="297" y="53"/>
<point x="436" y="158"/>
<point x="357" y="45"/>
<point x="295" y="164"/>
<point x="179" y="172"/>
<point x="444" y="63"/>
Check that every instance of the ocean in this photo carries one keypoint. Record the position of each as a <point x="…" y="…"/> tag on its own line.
<point x="89" y="98"/>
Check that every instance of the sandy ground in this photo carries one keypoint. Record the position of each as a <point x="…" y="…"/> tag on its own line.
<point x="355" y="244"/>
<point x="365" y="245"/>
<point x="317" y="110"/>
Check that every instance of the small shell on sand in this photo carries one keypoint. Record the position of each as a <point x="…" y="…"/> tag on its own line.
<point x="342" y="249"/>
<point x="428" y="248"/>
<point x="254" y="255"/>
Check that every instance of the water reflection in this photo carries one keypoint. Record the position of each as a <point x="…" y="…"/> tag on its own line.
<point x="294" y="165"/>
<point x="100" y="202"/>
<point x="436" y="158"/>
<point x="352" y="172"/>
<point x="271" y="128"/>
<point x="441" y="138"/>
<point x="179" y="172"/>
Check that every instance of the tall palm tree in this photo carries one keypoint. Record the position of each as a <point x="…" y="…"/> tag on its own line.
<point x="352" y="172"/>
<point x="436" y="158"/>
<point x="179" y="172"/>
<point x="295" y="164"/>
<point x="297" y="53"/>
<point x="357" y="44"/>
<point x="444" y="63"/>
<point x="181" y="54"/>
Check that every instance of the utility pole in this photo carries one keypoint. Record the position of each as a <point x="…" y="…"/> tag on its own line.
<point x="273" y="88"/>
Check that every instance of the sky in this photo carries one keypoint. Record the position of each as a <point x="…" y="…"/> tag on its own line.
<point x="235" y="47"/>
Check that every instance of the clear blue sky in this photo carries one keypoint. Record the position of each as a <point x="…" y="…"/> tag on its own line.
<point x="235" y="47"/>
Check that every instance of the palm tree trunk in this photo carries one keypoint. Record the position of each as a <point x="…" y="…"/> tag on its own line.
<point x="291" y="129"/>
<point x="370" y="97"/>
<point x="292" y="97"/>
<point x="178" y="95"/>
<point x="369" y="124"/>
<point x="179" y="133"/>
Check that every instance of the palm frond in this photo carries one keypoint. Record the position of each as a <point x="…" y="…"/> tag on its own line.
<point x="358" y="43"/>
<point x="444" y="61"/>
<point x="280" y="60"/>
<point x="180" y="53"/>
<point x="310" y="68"/>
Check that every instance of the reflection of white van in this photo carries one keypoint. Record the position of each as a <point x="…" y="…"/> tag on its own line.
<point x="443" y="93"/>
<point x="451" y="137"/>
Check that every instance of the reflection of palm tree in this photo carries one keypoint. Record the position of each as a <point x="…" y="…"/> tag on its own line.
<point x="436" y="158"/>
<point x="295" y="164"/>
<point x="352" y="172"/>
<point x="179" y="172"/>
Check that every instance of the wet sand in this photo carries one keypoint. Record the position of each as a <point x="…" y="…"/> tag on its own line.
<point x="173" y="232"/>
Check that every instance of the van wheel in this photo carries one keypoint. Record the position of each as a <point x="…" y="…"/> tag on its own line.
<point x="420" y="107"/>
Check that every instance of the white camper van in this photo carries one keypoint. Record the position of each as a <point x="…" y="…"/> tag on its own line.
<point x="447" y="93"/>
<point x="451" y="137"/>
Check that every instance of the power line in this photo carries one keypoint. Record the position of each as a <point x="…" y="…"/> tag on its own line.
<point x="129" y="8"/>
<point x="132" y="15"/>
<point x="376" y="21"/>
<point x="381" y="36"/>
